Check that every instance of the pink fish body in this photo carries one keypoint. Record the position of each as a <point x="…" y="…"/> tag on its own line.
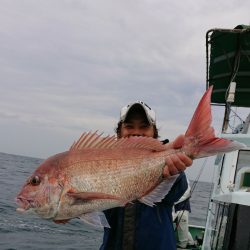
<point x="99" y="173"/>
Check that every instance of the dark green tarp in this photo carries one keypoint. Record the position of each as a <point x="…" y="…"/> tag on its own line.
<point x="228" y="59"/>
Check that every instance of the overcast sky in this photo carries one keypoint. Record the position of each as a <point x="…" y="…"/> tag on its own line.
<point x="68" y="66"/>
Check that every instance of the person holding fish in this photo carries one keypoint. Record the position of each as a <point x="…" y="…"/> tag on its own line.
<point x="139" y="226"/>
<point x="127" y="185"/>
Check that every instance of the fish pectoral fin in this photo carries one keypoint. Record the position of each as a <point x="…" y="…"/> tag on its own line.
<point x="97" y="219"/>
<point x="159" y="192"/>
<point x="93" y="196"/>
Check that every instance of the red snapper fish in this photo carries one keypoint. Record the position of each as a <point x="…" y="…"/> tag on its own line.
<point x="98" y="173"/>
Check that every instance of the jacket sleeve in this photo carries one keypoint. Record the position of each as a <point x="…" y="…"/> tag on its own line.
<point x="178" y="189"/>
<point x="186" y="195"/>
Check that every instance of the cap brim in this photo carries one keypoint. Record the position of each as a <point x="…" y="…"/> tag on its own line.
<point x="127" y="111"/>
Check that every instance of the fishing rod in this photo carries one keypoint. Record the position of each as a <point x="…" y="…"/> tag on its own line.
<point x="191" y="192"/>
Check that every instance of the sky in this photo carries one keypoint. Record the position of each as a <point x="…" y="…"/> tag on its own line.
<point x="68" y="66"/>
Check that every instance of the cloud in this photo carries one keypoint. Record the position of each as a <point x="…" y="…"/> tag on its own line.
<point x="69" y="66"/>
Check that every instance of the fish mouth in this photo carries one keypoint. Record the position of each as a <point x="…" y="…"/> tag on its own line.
<point x="24" y="203"/>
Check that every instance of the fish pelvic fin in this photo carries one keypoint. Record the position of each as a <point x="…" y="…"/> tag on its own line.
<point x="200" y="140"/>
<point x="97" y="219"/>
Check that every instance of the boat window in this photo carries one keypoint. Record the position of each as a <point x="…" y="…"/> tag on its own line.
<point x="243" y="167"/>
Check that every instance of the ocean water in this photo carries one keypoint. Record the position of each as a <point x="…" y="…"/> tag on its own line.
<point x="18" y="231"/>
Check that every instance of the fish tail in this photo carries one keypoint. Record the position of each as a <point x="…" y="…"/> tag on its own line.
<point x="200" y="140"/>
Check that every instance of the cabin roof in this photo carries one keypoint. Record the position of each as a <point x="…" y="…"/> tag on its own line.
<point x="228" y="60"/>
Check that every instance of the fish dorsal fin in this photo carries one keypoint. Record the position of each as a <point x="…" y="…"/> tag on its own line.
<point x="97" y="141"/>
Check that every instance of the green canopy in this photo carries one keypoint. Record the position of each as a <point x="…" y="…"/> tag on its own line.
<point x="228" y="60"/>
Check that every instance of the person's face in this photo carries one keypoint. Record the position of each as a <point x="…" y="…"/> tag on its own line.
<point x="136" y="125"/>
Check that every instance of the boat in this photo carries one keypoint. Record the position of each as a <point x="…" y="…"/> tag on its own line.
<point x="228" y="70"/>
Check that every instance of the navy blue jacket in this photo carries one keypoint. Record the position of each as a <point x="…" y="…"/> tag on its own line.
<point x="184" y="205"/>
<point x="152" y="227"/>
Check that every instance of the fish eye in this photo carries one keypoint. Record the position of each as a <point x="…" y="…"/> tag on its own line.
<point x="35" y="180"/>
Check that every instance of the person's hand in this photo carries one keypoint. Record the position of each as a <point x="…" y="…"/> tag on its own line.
<point x="176" y="162"/>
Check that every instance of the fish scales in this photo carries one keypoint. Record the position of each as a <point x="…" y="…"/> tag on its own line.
<point x="128" y="179"/>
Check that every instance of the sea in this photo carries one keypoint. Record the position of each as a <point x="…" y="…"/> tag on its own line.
<point x="23" y="232"/>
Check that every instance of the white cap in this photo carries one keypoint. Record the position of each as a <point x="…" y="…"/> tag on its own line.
<point x="150" y="114"/>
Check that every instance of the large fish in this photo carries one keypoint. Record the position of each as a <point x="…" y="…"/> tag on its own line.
<point x="99" y="173"/>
